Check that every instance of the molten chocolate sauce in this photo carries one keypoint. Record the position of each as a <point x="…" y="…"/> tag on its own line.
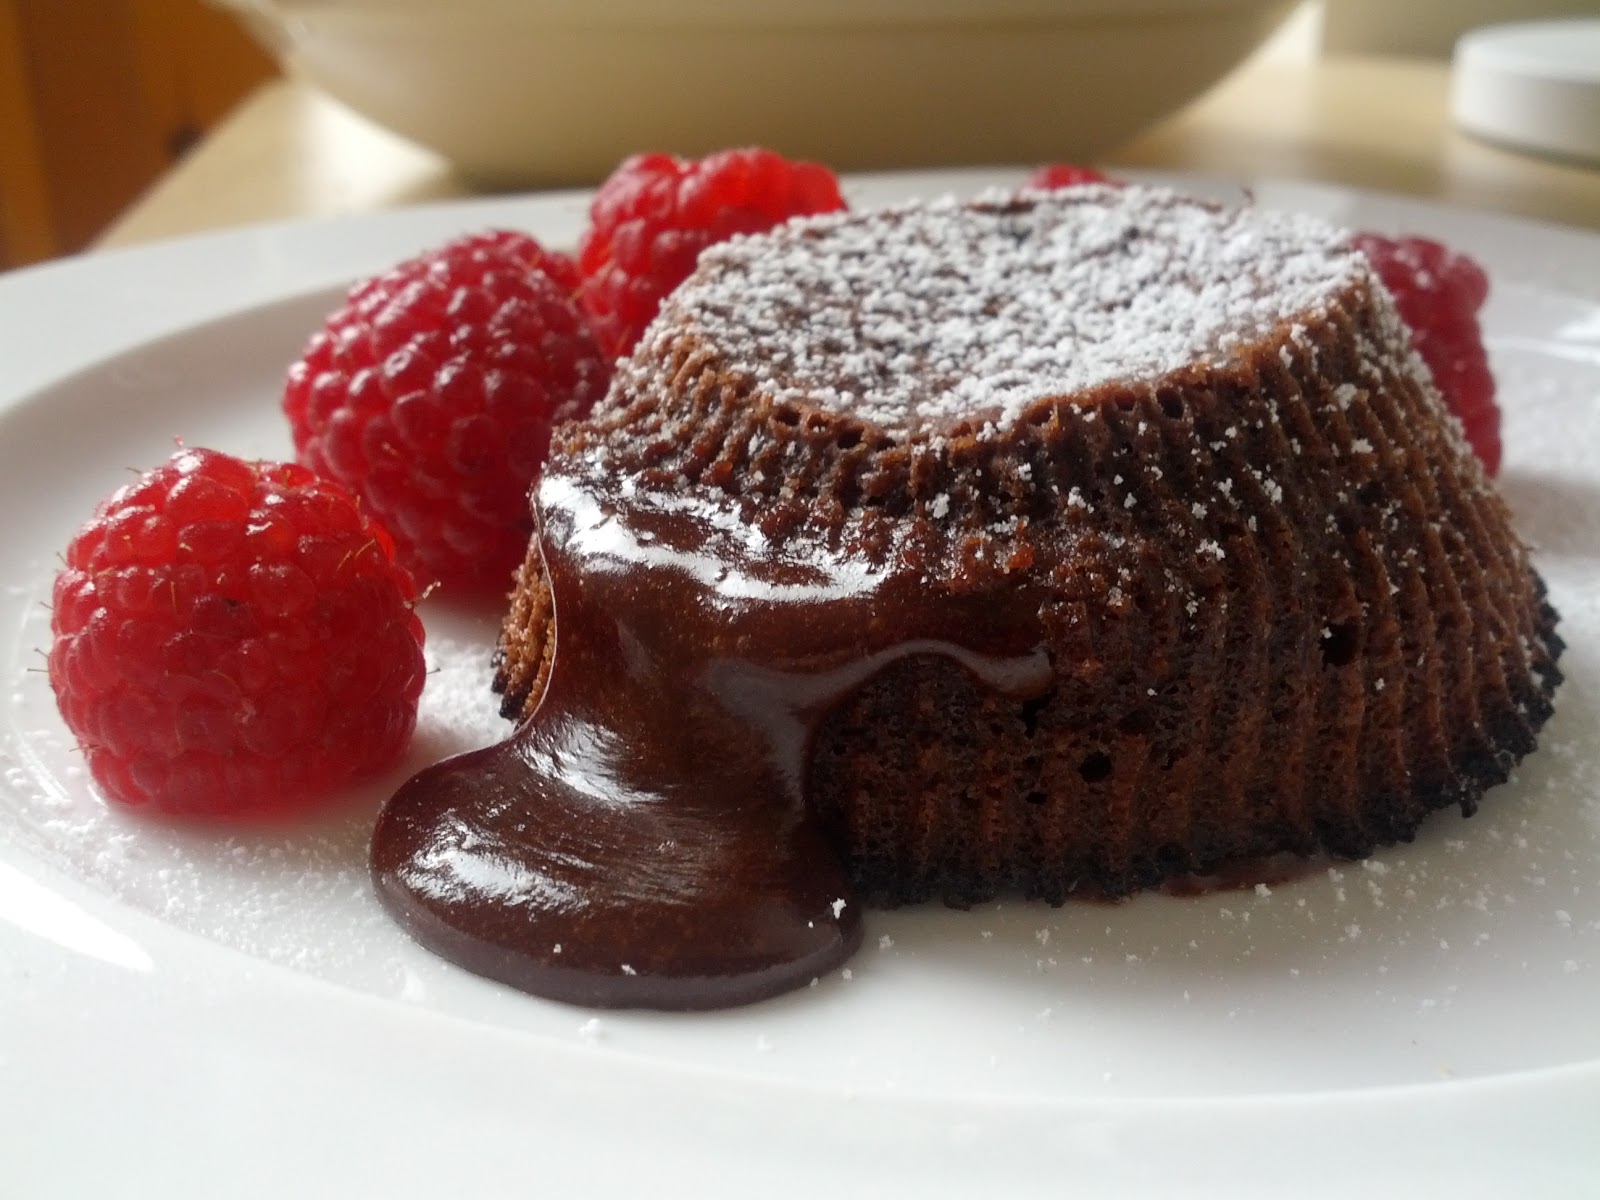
<point x="643" y="839"/>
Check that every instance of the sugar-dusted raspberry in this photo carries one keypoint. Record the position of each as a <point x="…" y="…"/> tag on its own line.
<point x="1439" y="292"/>
<point x="652" y="217"/>
<point x="1063" y="175"/>
<point x="234" y="637"/>
<point x="431" y="394"/>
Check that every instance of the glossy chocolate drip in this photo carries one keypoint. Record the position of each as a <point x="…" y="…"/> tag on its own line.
<point x="643" y="839"/>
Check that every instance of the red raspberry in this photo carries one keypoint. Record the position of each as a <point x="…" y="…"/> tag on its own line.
<point x="432" y="392"/>
<point x="1063" y="175"/>
<point x="1439" y="292"/>
<point x="233" y="637"/>
<point x="652" y="217"/>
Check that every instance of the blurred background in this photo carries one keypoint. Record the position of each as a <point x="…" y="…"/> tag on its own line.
<point x="99" y="99"/>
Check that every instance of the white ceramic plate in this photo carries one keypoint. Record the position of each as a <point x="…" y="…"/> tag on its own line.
<point x="198" y="1014"/>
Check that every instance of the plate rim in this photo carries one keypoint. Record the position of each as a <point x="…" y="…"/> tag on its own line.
<point x="110" y="307"/>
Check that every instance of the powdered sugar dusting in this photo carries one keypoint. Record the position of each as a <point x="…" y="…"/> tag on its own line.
<point x="924" y="315"/>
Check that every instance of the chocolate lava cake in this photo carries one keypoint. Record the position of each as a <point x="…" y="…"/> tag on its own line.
<point x="1048" y="542"/>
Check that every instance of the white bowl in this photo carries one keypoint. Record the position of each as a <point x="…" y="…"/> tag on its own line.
<point x="1533" y="86"/>
<point x="543" y="92"/>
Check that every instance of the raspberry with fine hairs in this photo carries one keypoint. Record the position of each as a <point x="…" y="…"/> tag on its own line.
<point x="651" y="219"/>
<point x="1439" y="292"/>
<point x="233" y="637"/>
<point x="431" y="394"/>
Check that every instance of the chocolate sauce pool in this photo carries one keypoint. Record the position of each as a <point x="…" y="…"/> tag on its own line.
<point x="643" y="840"/>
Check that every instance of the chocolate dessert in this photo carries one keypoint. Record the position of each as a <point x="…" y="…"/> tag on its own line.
<point x="1048" y="543"/>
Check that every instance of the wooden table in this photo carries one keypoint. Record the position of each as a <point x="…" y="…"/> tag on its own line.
<point x="1372" y="123"/>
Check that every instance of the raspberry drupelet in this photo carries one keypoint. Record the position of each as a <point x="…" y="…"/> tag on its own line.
<point x="234" y="637"/>
<point x="1439" y="292"/>
<point x="431" y="394"/>
<point x="654" y="215"/>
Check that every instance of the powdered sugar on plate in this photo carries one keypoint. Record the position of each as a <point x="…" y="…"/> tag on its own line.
<point x="291" y="892"/>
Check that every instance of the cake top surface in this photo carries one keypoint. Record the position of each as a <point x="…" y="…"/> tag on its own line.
<point x="918" y="317"/>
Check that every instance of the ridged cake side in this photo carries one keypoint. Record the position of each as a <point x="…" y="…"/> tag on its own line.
<point x="1284" y="608"/>
<point x="1355" y="639"/>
